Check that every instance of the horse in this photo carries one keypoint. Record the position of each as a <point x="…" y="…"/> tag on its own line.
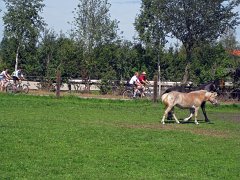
<point x="212" y="86"/>
<point x="235" y="94"/>
<point x="192" y="100"/>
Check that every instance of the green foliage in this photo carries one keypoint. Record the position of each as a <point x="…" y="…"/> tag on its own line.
<point x="94" y="50"/>
<point x="7" y="51"/>
<point x="212" y="62"/>
<point x="229" y="41"/>
<point x="59" y="51"/>
<point x="192" y="22"/>
<point x="105" y="86"/>
<point x="92" y="28"/>
<point x="23" y="24"/>
<point x="172" y="65"/>
<point x="149" y="25"/>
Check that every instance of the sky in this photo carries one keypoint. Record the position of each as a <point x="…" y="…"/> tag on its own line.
<point x="58" y="13"/>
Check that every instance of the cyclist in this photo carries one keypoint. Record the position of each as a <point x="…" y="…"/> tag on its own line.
<point x="135" y="83"/>
<point x="4" y="78"/>
<point x="143" y="79"/>
<point x="17" y="76"/>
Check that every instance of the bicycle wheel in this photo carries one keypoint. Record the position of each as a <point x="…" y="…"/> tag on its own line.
<point x="25" y="89"/>
<point x="148" y="93"/>
<point x="10" y="88"/>
<point x="128" y="94"/>
<point x="114" y="90"/>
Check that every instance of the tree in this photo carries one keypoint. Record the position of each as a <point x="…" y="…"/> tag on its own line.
<point x="195" y="21"/>
<point x="211" y="62"/>
<point x="151" y="32"/>
<point x="229" y="41"/>
<point x="149" y="25"/>
<point x="115" y="61"/>
<point x="7" y="51"/>
<point x="46" y="53"/>
<point x="58" y="51"/>
<point x="23" y="24"/>
<point x="93" y="27"/>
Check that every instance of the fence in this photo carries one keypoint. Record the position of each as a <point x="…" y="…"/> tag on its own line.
<point x="115" y="87"/>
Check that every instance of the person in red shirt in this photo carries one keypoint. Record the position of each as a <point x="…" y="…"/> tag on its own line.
<point x="143" y="79"/>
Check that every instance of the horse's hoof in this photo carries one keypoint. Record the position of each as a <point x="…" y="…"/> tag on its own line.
<point x="197" y="123"/>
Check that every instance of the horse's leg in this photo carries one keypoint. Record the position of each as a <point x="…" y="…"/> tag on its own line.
<point x="196" y="113"/>
<point x="170" y="115"/>
<point x="175" y="117"/>
<point x="168" y="109"/>
<point x="191" y="115"/>
<point x="203" y="105"/>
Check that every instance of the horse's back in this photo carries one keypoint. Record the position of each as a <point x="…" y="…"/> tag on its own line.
<point x="196" y="93"/>
<point x="170" y="98"/>
<point x="184" y="100"/>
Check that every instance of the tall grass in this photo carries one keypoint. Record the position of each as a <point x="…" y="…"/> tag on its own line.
<point x="74" y="138"/>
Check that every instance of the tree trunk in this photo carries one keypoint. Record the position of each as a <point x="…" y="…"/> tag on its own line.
<point x="155" y="88"/>
<point x="188" y="65"/>
<point x="17" y="55"/>
<point x="186" y="73"/>
<point x="58" y="81"/>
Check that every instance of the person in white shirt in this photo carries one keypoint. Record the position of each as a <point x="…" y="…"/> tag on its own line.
<point x="17" y="76"/>
<point x="4" y="78"/>
<point x="134" y="81"/>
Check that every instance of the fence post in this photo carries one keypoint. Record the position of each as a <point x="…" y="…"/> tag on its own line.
<point x="155" y="88"/>
<point x="58" y="81"/>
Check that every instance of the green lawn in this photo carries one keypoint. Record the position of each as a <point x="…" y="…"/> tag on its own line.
<point x="73" y="138"/>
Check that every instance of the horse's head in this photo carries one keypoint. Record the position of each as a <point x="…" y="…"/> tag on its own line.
<point x="218" y="86"/>
<point x="211" y="96"/>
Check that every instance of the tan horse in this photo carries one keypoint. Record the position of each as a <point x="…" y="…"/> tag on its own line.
<point x="191" y="100"/>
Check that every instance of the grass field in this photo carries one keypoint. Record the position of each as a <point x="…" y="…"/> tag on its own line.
<point x="73" y="138"/>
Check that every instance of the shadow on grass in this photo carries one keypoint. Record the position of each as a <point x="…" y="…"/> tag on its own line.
<point x="187" y="122"/>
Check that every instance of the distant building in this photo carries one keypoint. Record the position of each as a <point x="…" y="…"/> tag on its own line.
<point x="235" y="53"/>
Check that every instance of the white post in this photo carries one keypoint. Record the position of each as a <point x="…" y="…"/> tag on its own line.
<point x="159" y="80"/>
<point x="17" y="54"/>
<point x="159" y="74"/>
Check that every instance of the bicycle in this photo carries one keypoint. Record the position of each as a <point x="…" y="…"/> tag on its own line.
<point x="147" y="92"/>
<point x="129" y="93"/>
<point x="15" y="88"/>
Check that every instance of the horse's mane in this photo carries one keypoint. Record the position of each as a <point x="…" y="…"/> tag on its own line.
<point x="202" y="86"/>
<point x="177" y="88"/>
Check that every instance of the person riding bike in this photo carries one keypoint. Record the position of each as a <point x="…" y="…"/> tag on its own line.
<point x="4" y="78"/>
<point x="135" y="83"/>
<point x="143" y="80"/>
<point x="17" y="76"/>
